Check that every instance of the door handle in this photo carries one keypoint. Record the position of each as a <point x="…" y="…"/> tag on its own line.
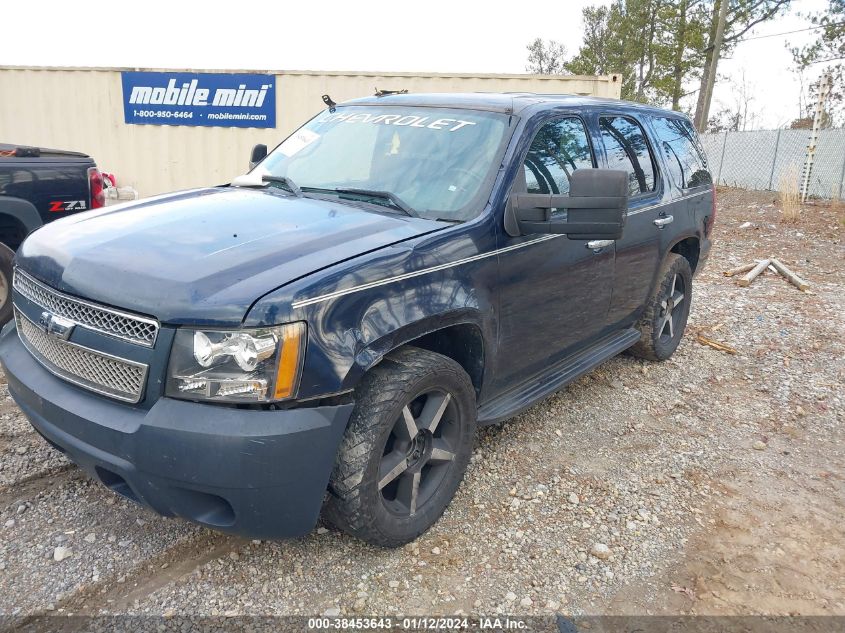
<point x="661" y="222"/>
<point x="597" y="245"/>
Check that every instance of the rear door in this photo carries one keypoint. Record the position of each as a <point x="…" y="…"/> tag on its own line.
<point x="626" y="146"/>
<point x="688" y="177"/>
<point x="554" y="292"/>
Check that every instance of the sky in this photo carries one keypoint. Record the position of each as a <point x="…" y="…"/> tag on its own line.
<point x="433" y="36"/>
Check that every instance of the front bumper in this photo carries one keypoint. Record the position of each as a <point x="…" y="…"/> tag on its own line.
<point x="254" y="473"/>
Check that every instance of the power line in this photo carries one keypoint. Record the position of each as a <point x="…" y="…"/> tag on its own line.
<point x="811" y="28"/>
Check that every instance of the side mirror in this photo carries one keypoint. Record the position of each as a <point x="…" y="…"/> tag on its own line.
<point x="596" y="208"/>
<point x="259" y="153"/>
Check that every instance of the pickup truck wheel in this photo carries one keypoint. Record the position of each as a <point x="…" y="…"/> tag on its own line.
<point x="7" y="256"/>
<point x="663" y="322"/>
<point x="406" y="449"/>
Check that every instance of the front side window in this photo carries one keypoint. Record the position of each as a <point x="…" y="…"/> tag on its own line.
<point x="440" y="162"/>
<point x="684" y="155"/>
<point x="628" y="150"/>
<point x="558" y="149"/>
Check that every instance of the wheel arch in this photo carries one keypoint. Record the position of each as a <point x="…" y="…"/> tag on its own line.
<point x="18" y="218"/>
<point x="458" y="335"/>
<point x="689" y="248"/>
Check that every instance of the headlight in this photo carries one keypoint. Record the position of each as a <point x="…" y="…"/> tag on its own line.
<point x="256" y="365"/>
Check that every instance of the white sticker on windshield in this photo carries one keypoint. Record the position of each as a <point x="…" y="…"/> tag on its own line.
<point x="411" y="120"/>
<point x="299" y="141"/>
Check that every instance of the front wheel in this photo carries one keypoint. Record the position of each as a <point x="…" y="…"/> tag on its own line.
<point x="665" y="317"/>
<point x="406" y="449"/>
<point x="7" y="257"/>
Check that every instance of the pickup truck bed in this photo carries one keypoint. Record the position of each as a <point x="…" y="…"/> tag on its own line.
<point x="37" y="186"/>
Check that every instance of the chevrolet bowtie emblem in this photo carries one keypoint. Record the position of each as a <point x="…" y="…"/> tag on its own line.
<point x="55" y="325"/>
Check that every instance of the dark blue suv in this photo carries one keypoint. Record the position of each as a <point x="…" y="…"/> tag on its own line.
<point x="325" y="333"/>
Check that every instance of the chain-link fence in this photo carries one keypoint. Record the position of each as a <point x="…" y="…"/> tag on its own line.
<point x="761" y="159"/>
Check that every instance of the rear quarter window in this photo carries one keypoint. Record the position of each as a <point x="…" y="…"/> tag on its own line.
<point x="682" y="152"/>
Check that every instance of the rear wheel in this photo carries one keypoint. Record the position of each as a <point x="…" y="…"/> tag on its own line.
<point x="406" y="449"/>
<point x="7" y="257"/>
<point x="663" y="322"/>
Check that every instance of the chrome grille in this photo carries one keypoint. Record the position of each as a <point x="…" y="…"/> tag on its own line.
<point x="116" y="377"/>
<point x="129" y="327"/>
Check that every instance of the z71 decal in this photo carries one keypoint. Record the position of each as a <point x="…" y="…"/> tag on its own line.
<point x="59" y="206"/>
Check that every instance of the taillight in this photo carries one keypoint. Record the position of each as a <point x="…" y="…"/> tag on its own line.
<point x="95" y="188"/>
<point x="708" y="222"/>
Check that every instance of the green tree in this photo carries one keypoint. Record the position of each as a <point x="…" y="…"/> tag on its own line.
<point x="660" y="47"/>
<point x="653" y="44"/>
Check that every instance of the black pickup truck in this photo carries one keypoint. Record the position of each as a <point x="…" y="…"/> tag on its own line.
<point x="326" y="332"/>
<point x="37" y="186"/>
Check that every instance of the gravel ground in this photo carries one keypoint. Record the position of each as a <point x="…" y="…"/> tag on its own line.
<point x="711" y="483"/>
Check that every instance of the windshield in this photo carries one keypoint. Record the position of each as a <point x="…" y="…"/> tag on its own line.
<point x="439" y="162"/>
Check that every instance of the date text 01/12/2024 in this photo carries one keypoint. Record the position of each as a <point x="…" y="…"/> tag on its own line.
<point x="418" y="623"/>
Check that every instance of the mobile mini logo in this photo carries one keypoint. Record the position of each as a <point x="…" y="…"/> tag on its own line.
<point x="191" y="94"/>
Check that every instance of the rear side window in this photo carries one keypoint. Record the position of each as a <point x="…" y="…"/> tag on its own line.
<point x="558" y="149"/>
<point x="684" y="155"/>
<point x="628" y="150"/>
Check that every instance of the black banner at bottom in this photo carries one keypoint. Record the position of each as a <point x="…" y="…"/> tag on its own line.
<point x="421" y="624"/>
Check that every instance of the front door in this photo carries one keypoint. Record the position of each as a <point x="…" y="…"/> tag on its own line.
<point x="554" y="292"/>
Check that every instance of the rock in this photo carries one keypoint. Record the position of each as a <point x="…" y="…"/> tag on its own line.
<point x="90" y="538"/>
<point x="322" y="530"/>
<point x="600" y="551"/>
<point x="332" y="612"/>
<point x="552" y="605"/>
<point x="435" y="551"/>
<point x="510" y="596"/>
<point x="10" y="523"/>
<point x="759" y="445"/>
<point x="631" y="526"/>
<point x="558" y="432"/>
<point x="61" y="553"/>
<point x="526" y="602"/>
<point x="21" y="509"/>
<point x="393" y="584"/>
<point x="21" y="450"/>
<point x="746" y="225"/>
<point x="573" y="498"/>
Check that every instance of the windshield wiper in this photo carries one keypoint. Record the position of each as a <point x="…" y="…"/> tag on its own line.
<point x="392" y="198"/>
<point x="283" y="180"/>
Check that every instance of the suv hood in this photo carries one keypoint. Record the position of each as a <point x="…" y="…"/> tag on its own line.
<point x="205" y="256"/>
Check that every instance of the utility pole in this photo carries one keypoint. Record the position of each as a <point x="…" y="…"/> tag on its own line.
<point x="703" y="111"/>
<point x="824" y="90"/>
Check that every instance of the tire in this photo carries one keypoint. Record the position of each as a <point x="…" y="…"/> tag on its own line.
<point x="387" y="489"/>
<point x="663" y="322"/>
<point x="7" y="257"/>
